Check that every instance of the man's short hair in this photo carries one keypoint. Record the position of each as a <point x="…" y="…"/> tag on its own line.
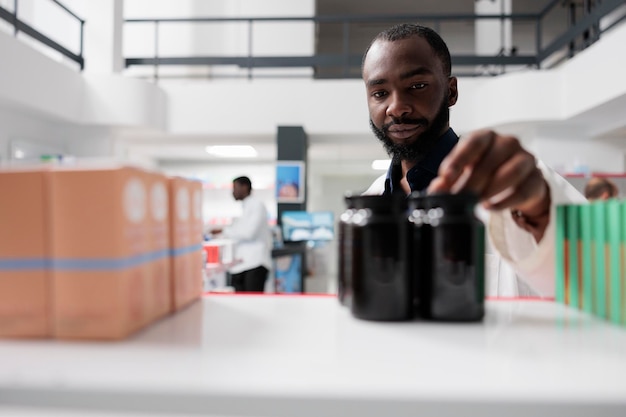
<point x="244" y="181"/>
<point x="407" y="30"/>
<point x="597" y="186"/>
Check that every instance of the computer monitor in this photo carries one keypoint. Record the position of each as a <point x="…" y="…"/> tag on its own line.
<point x="322" y="225"/>
<point x="298" y="226"/>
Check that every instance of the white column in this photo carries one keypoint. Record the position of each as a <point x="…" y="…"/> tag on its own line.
<point x="493" y="35"/>
<point x="103" y="34"/>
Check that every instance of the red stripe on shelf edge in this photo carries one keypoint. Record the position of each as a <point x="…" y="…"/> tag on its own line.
<point x="256" y="294"/>
<point x="526" y="298"/>
<point x="324" y="295"/>
<point x="596" y="174"/>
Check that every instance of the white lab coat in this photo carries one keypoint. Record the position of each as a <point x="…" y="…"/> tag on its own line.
<point x="251" y="236"/>
<point x="515" y="264"/>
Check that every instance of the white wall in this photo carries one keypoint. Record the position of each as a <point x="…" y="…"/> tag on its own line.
<point x="45" y="102"/>
<point x="219" y="207"/>
<point x="36" y="135"/>
<point x="37" y="83"/>
<point x="232" y="107"/>
<point x="569" y="152"/>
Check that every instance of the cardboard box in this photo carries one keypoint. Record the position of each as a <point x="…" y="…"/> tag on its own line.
<point x="196" y="257"/>
<point x="24" y="254"/>
<point x="100" y="234"/>
<point x="187" y="259"/>
<point x="158" y="285"/>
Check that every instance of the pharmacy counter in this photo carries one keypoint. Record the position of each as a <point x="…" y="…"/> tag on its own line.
<point x="305" y="356"/>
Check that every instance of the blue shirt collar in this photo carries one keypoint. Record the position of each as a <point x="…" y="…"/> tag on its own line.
<point x="420" y="176"/>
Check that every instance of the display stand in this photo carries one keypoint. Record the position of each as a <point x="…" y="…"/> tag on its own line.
<point x="215" y="276"/>
<point x="289" y="267"/>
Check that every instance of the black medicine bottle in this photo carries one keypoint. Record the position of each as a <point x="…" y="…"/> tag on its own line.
<point x="451" y="285"/>
<point x="420" y="251"/>
<point x="380" y="281"/>
<point x="345" y="239"/>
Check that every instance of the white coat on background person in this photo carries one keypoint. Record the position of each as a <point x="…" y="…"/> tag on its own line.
<point x="252" y="240"/>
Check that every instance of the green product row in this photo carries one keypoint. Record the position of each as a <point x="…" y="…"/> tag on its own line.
<point x="591" y="258"/>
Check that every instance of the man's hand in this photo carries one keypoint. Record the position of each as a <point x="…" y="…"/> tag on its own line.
<point x="502" y="173"/>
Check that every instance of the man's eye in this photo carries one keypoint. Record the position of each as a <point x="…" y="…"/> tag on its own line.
<point x="418" y="86"/>
<point x="379" y="94"/>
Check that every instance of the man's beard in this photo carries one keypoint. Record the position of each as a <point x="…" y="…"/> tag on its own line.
<point x="417" y="150"/>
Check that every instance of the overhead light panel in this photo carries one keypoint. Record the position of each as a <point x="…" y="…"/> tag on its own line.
<point x="234" y="151"/>
<point x="381" y="164"/>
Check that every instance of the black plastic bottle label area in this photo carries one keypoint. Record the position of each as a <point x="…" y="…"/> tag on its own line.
<point x="382" y="290"/>
<point x="455" y="289"/>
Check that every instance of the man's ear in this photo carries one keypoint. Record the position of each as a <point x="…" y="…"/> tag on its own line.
<point x="453" y="91"/>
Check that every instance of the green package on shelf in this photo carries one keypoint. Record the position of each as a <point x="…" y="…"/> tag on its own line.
<point x="615" y="263"/>
<point x="561" y="253"/>
<point x="599" y="243"/>
<point x="573" y="234"/>
<point x="586" y="271"/>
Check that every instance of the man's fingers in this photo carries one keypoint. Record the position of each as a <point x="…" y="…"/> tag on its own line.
<point x="495" y="167"/>
<point x="438" y="185"/>
<point x="531" y="190"/>
<point x="486" y="170"/>
<point x="509" y="175"/>
<point x="465" y="154"/>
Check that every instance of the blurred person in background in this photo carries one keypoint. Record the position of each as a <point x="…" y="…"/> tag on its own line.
<point x="600" y="189"/>
<point x="252" y="240"/>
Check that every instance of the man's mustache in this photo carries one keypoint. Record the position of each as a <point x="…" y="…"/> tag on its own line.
<point x="404" y="121"/>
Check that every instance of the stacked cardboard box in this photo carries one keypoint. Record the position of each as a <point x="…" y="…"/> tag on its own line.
<point x="591" y="258"/>
<point x="160" y="295"/>
<point x="99" y="231"/>
<point x="187" y="259"/>
<point x="87" y="253"/>
<point x="24" y="252"/>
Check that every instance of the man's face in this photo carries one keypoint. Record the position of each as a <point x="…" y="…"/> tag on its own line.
<point x="240" y="191"/>
<point x="408" y="95"/>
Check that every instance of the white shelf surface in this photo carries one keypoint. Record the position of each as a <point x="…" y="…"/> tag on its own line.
<point x="264" y="355"/>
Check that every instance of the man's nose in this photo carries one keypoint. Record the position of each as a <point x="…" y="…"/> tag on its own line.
<point x="399" y="106"/>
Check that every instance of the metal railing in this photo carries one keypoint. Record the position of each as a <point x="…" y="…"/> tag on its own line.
<point x="582" y="30"/>
<point x="587" y="27"/>
<point x="12" y="17"/>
